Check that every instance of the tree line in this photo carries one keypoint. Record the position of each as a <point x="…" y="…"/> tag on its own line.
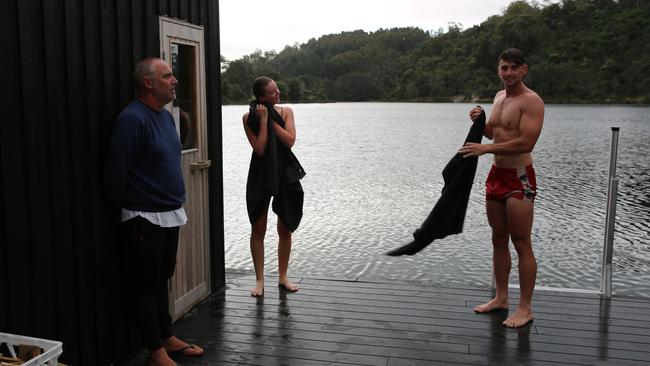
<point x="578" y="51"/>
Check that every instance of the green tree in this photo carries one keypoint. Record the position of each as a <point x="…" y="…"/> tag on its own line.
<point x="295" y="91"/>
<point x="578" y="51"/>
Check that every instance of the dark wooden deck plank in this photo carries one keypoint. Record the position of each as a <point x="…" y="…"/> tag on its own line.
<point x="218" y="356"/>
<point x="349" y="352"/>
<point x="416" y="330"/>
<point x="341" y="338"/>
<point x="369" y="320"/>
<point x="397" y="337"/>
<point x="307" y="300"/>
<point x="543" y="294"/>
<point x="426" y="294"/>
<point x="396" y="361"/>
<point x="245" y="358"/>
<point x="608" y="326"/>
<point x="303" y="350"/>
<point x="349" y="322"/>
<point x="461" y="319"/>
<point x="304" y="323"/>
<point x="406" y="347"/>
<point x="441" y="334"/>
<point x="510" y="356"/>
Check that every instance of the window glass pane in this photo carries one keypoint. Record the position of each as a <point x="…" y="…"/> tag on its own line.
<point x="185" y="104"/>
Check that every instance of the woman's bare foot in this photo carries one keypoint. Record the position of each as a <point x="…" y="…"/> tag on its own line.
<point x="492" y="305"/>
<point x="290" y="286"/>
<point x="520" y="318"/>
<point x="258" y="290"/>
<point x="160" y="357"/>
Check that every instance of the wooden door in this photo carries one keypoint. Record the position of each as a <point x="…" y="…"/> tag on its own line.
<point x="182" y="47"/>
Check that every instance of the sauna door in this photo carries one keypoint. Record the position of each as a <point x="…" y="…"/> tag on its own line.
<point x="182" y="46"/>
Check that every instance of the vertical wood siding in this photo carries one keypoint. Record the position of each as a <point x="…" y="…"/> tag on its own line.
<point x="67" y="72"/>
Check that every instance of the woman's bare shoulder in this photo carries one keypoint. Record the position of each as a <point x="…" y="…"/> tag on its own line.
<point x="285" y="110"/>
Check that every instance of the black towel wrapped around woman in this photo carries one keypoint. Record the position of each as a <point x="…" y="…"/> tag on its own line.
<point x="275" y="174"/>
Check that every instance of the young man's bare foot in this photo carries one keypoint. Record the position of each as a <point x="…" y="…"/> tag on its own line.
<point x="175" y="346"/>
<point x="520" y="318"/>
<point x="258" y="290"/>
<point x="492" y="305"/>
<point x="288" y="285"/>
<point x="160" y="357"/>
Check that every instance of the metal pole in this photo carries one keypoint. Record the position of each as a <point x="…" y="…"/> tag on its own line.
<point x="610" y="219"/>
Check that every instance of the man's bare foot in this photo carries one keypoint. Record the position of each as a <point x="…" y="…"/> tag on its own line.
<point x="258" y="290"/>
<point x="492" y="305"/>
<point x="160" y="357"/>
<point x="288" y="285"/>
<point x="175" y="346"/>
<point x="520" y="318"/>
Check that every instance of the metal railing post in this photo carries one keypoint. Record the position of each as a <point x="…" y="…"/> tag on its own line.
<point x="610" y="219"/>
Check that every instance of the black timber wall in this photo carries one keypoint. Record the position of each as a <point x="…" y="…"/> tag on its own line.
<point x="67" y="66"/>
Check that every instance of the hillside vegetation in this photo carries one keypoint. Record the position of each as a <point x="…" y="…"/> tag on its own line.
<point x="595" y="51"/>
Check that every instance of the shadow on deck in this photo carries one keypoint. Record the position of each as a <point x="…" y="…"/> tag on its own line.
<point x="339" y="322"/>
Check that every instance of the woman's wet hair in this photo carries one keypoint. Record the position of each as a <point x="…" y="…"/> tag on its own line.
<point x="259" y="84"/>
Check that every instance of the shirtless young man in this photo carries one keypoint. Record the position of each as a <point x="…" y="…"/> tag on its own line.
<point x="515" y="124"/>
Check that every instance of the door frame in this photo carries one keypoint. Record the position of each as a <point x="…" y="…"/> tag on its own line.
<point x="186" y="33"/>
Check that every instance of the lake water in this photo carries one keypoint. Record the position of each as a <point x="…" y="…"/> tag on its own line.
<point x="374" y="173"/>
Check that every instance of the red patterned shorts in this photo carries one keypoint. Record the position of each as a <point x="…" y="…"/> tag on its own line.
<point x="503" y="183"/>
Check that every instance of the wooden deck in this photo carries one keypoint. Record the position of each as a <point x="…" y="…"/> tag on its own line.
<point x="353" y="322"/>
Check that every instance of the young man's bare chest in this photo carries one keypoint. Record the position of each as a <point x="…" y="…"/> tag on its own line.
<point x="506" y="116"/>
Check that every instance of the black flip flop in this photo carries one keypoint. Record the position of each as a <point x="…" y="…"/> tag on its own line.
<point x="181" y="351"/>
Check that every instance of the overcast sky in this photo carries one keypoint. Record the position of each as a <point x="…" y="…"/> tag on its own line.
<point x="247" y="25"/>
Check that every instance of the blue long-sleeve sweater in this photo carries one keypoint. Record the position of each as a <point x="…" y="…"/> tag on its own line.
<point x="143" y="170"/>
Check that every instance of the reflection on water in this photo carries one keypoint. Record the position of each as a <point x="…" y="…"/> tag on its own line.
<point x="374" y="173"/>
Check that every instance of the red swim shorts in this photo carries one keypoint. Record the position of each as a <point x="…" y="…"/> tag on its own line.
<point x="503" y="183"/>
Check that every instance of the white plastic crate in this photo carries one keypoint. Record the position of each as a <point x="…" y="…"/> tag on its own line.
<point x="51" y="349"/>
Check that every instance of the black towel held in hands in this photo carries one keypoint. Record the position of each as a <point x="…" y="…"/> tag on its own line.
<point x="277" y="173"/>
<point x="448" y="215"/>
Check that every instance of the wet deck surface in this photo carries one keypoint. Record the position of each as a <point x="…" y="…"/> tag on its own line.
<point x="352" y="322"/>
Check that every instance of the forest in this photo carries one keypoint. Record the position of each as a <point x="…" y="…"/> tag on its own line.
<point x="578" y="51"/>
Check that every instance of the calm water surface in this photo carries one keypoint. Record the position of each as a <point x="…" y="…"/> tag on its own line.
<point x="374" y="173"/>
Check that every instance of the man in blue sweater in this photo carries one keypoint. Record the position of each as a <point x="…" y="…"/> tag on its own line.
<point x="145" y="184"/>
